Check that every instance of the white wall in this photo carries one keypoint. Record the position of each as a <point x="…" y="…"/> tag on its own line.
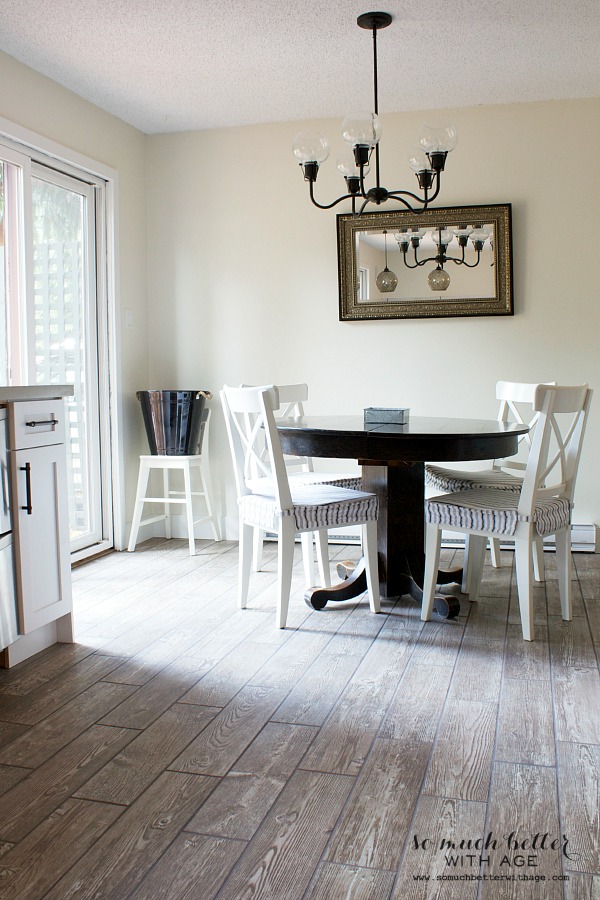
<point x="242" y="271"/>
<point x="34" y="102"/>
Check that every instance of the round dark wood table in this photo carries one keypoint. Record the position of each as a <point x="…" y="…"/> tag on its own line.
<point x="393" y="459"/>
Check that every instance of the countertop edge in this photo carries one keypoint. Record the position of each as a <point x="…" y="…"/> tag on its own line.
<point x="35" y="392"/>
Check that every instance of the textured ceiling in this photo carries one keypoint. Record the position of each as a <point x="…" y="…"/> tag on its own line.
<point x="188" y="64"/>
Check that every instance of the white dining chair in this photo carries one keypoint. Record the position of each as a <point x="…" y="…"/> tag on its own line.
<point x="301" y="470"/>
<point x="516" y="405"/>
<point x="268" y="501"/>
<point x="541" y="507"/>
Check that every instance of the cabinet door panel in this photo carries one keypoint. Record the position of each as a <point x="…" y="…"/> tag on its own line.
<point x="41" y="524"/>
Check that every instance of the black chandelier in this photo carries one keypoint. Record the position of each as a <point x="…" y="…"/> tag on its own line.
<point x="362" y="132"/>
<point x="438" y="278"/>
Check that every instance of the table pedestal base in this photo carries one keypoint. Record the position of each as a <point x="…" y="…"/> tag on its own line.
<point x="354" y="584"/>
<point x="400" y="488"/>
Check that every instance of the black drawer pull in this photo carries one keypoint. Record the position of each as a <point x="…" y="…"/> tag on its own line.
<point x="27" y="469"/>
<point x="34" y="423"/>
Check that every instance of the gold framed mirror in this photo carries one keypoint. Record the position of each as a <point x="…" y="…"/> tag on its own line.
<point x="453" y="261"/>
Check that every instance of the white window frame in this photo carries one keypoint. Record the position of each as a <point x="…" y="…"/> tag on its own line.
<point x="22" y="141"/>
<point x="363" y="283"/>
<point x="18" y="274"/>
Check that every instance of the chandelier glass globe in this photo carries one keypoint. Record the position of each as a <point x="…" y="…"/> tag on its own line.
<point x="438" y="279"/>
<point x="386" y="281"/>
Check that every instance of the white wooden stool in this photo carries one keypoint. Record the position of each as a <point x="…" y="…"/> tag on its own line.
<point x="184" y="464"/>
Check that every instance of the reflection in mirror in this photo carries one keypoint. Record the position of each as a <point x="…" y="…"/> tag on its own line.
<point x="441" y="262"/>
<point x="416" y="255"/>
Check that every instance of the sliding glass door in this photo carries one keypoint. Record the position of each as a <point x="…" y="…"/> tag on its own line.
<point x="65" y="331"/>
<point x="51" y="321"/>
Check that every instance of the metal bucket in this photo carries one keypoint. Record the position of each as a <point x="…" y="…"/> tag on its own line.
<point x="174" y="421"/>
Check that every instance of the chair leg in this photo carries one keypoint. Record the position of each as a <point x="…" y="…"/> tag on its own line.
<point x="257" y="549"/>
<point x="477" y="548"/>
<point x="308" y="559"/>
<point x="433" y="540"/>
<point x="563" y="565"/>
<point x="495" y="553"/>
<point x="187" y="484"/>
<point x="466" y="578"/>
<point x="369" y="531"/>
<point x="168" y="532"/>
<point x="142" y="487"/>
<point x="322" y="539"/>
<point x="245" y="562"/>
<point x="524" y="561"/>
<point x="538" y="558"/>
<point x="207" y="489"/>
<point x="285" y="559"/>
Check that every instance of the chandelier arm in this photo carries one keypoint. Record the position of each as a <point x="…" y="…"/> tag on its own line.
<point x="329" y="205"/>
<point x="409" y="266"/>
<point x="423" y="262"/>
<point x="425" y="200"/>
<point x="438" y="184"/>
<point x="363" y="192"/>
<point x="418" y="262"/>
<point x="470" y="265"/>
<point x="399" y="196"/>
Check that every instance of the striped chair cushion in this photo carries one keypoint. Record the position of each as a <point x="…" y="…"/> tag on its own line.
<point x="450" y="480"/>
<point x="495" y="511"/>
<point x="315" y="506"/>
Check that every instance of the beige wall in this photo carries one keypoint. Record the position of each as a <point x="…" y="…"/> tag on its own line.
<point x="242" y="271"/>
<point x="36" y="103"/>
<point x="231" y="275"/>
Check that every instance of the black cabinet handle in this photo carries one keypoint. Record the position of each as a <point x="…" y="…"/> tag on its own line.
<point x="34" y="423"/>
<point x="27" y="469"/>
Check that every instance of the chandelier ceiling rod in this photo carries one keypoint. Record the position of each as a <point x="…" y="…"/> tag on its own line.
<point x="363" y="133"/>
<point x="369" y="20"/>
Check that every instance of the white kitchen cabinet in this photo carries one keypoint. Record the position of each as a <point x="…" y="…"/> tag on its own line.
<point x="40" y="515"/>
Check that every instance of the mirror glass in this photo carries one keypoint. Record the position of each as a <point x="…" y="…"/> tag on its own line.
<point x="445" y="262"/>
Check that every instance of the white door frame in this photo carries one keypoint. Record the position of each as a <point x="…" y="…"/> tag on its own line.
<point x="80" y="166"/>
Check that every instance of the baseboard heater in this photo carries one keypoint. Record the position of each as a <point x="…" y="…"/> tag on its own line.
<point x="584" y="539"/>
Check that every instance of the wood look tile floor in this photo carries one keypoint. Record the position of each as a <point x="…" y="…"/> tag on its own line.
<point x="186" y="749"/>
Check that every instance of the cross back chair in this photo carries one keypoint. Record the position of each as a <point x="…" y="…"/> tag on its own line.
<point x="268" y="501"/>
<point x="516" y="405"/>
<point x="542" y="506"/>
<point x="301" y="470"/>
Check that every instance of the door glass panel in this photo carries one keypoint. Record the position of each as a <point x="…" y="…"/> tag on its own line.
<point x="64" y="336"/>
<point x="3" y="285"/>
